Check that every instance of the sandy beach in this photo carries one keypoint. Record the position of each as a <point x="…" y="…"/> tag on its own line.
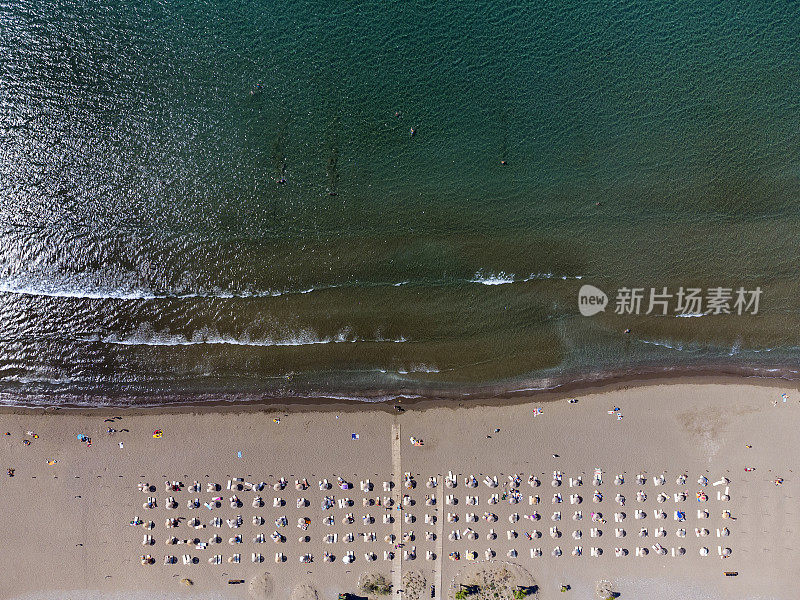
<point x="555" y="485"/>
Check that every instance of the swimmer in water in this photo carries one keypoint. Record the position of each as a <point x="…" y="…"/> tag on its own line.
<point x="413" y="132"/>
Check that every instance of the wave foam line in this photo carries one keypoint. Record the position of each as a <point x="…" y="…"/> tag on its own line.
<point x="500" y="278"/>
<point x="300" y="341"/>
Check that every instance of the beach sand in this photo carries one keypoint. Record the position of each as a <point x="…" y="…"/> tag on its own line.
<point x="66" y="532"/>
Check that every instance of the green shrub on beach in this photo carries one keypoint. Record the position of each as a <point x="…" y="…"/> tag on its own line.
<point x="519" y="594"/>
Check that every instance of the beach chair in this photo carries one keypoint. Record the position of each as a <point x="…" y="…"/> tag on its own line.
<point x="595" y="532"/>
<point x="620" y="533"/>
<point x="388" y="555"/>
<point x="494" y="499"/>
<point x="595" y="551"/>
<point x="639" y="514"/>
<point x="620" y="552"/>
<point x="556" y="516"/>
<point x="640" y="552"/>
<point x="556" y="551"/>
<point x="258" y="502"/>
<point x="256" y="557"/>
<point x="235" y="559"/>
<point x="280" y="557"/>
<point x="187" y="559"/>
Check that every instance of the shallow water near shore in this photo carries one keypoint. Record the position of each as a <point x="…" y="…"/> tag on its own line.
<point x="221" y="201"/>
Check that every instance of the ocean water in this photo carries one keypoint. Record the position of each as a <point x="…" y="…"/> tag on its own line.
<point x="223" y="200"/>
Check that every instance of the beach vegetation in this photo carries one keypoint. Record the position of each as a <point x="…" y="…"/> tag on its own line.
<point x="377" y="585"/>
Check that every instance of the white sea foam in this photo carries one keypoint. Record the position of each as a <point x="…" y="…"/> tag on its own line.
<point x="502" y="278"/>
<point x="145" y="336"/>
<point x="81" y="290"/>
<point x="418" y="369"/>
<point x="128" y="294"/>
<point x="492" y="279"/>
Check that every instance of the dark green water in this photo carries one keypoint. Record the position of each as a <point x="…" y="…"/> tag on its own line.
<point x="224" y="200"/>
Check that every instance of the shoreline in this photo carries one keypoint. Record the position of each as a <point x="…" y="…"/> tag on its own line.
<point x="602" y="383"/>
<point x="733" y="433"/>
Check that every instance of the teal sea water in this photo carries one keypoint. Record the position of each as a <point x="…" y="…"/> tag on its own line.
<point x="224" y="200"/>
